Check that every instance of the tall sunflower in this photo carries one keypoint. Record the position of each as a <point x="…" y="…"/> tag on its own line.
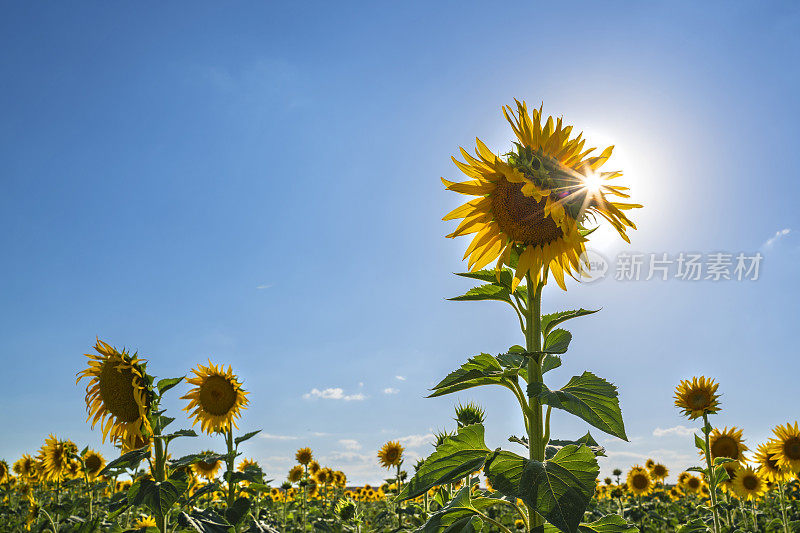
<point x="697" y="396"/>
<point x="55" y="458"/>
<point x="207" y="468"/>
<point x="748" y="485"/>
<point x="217" y="399"/>
<point x="391" y="454"/>
<point x="94" y="463"/>
<point x="786" y="447"/>
<point x="117" y="393"/>
<point x="26" y="467"/>
<point x="767" y="464"/>
<point x="295" y="474"/>
<point x="639" y="481"/>
<point x="535" y="202"/>
<point x="727" y="443"/>
<point x="304" y="456"/>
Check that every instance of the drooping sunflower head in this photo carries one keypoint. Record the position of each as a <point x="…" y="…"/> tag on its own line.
<point x="93" y="463"/>
<point x="727" y="443"/>
<point x="391" y="454"/>
<point x="639" y="481"/>
<point x="697" y="396"/>
<point x="207" y="468"/>
<point x="649" y="464"/>
<point x="768" y="467"/>
<point x="217" y="398"/>
<point x="304" y="456"/>
<point x="748" y="485"/>
<point x="295" y="474"/>
<point x="55" y="458"/>
<point x="313" y="467"/>
<point x="659" y="472"/>
<point x="786" y="447"/>
<point x="534" y="203"/>
<point x="117" y="394"/>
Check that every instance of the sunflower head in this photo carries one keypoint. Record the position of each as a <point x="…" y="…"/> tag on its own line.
<point x="55" y="458"/>
<point x="323" y="476"/>
<point x="697" y="396"/>
<point x="93" y="463"/>
<point x="727" y="443"/>
<point x="732" y="470"/>
<point x="304" y="456"/>
<point x="659" y="472"/>
<point x="649" y="464"/>
<point x="117" y="395"/>
<point x="786" y="447"/>
<point x="391" y="454"/>
<point x="145" y="521"/>
<point x="4" y="472"/>
<point x="639" y="481"/>
<point x="217" y="398"/>
<point x="295" y="474"/>
<point x="768" y="467"/>
<point x="534" y="203"/>
<point x="748" y="485"/>
<point x="26" y="466"/>
<point x="248" y="463"/>
<point x="313" y="467"/>
<point x="208" y="467"/>
<point x="339" y="478"/>
<point x="675" y="494"/>
<point x="468" y="414"/>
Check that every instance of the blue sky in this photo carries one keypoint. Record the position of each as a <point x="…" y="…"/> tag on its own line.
<point x="259" y="184"/>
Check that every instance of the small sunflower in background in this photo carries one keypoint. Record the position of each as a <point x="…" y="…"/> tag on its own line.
<point x="691" y="483"/>
<point x="682" y="477"/>
<point x="26" y="467"/>
<point x="535" y="202"/>
<point x="748" y="485"/>
<point x="4" y="472"/>
<point x="217" y="399"/>
<point x="767" y="464"/>
<point x="207" y="468"/>
<point x="304" y="456"/>
<point x="339" y="478"/>
<point x="93" y="463"/>
<point x="786" y="447"/>
<point x="727" y="443"/>
<point x="313" y="467"/>
<point x="649" y="464"/>
<point x="675" y="494"/>
<point x="117" y="394"/>
<point x="697" y="396"/>
<point x="659" y="472"/>
<point x="732" y="469"/>
<point x="295" y="474"/>
<point x="247" y="463"/>
<point x="639" y="482"/>
<point x="391" y="454"/>
<point x="323" y="476"/>
<point x="55" y="458"/>
<point x="145" y="521"/>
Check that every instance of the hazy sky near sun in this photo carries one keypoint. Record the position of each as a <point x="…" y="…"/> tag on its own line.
<point x="258" y="184"/>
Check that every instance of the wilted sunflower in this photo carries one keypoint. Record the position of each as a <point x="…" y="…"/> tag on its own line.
<point x="304" y="456"/>
<point x="659" y="472"/>
<point x="535" y="202"/>
<point x="94" y="463"/>
<point x="295" y="474"/>
<point x="208" y="468"/>
<point x="639" y="482"/>
<point x="54" y="458"/>
<point x="117" y="395"/>
<point x="697" y="396"/>
<point x="748" y="485"/>
<point x="217" y="398"/>
<point x="767" y="464"/>
<point x="727" y="443"/>
<point x="391" y="454"/>
<point x="786" y="447"/>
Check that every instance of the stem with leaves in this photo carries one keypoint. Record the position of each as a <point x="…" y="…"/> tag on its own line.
<point x="712" y="476"/>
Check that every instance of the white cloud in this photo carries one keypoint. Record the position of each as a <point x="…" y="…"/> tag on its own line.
<point x="269" y="436"/>
<point x="390" y="390"/>
<point x="319" y="434"/>
<point x="415" y="441"/>
<point x="333" y="393"/>
<point x="350" y="444"/>
<point x="401" y="378"/>
<point x="778" y="235"/>
<point x="266" y="286"/>
<point x="681" y="431"/>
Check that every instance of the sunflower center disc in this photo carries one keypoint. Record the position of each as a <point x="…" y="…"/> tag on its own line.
<point x="521" y="217"/>
<point x="116" y="390"/>
<point x="792" y="448"/>
<point x="92" y="463"/>
<point x="217" y="395"/>
<point x="750" y="483"/>
<point x="698" y="400"/>
<point x="725" y="447"/>
<point x="639" y="482"/>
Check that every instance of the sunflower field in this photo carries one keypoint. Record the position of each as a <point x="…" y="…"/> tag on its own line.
<point x="530" y="215"/>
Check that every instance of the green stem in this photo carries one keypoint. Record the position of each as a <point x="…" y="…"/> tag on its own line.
<point x="712" y="476"/>
<point x="533" y="345"/>
<point x="783" y="508"/>
<point x="160" y="468"/>
<point x="230" y="462"/>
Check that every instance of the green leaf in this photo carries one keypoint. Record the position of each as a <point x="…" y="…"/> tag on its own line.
<point x="589" y="397"/>
<point x="167" y="383"/>
<point x="127" y="460"/>
<point x="490" y="276"/>
<point x="560" y="489"/>
<point x="205" y="521"/>
<point x="238" y="511"/>
<point x="550" y="362"/>
<point x="246" y="436"/>
<point x="695" y="526"/>
<point x="485" y="292"/>
<point x="609" y="524"/>
<point x="504" y="471"/>
<point x="553" y="319"/>
<point x="722" y="460"/>
<point x="460" y="515"/>
<point x="158" y="496"/>
<point x="193" y="458"/>
<point x="557" y="341"/>
<point x="457" y="457"/>
<point x="555" y="445"/>
<point x="700" y="444"/>
<point x="479" y="370"/>
<point x="180" y="433"/>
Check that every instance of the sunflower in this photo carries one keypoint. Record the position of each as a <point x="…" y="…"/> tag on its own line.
<point x="295" y="474"/>
<point x="727" y="443"/>
<point x="732" y="469"/>
<point x="535" y="202"/>
<point x="117" y="393"/>
<point x="4" y="473"/>
<point x="313" y="467"/>
<point x="748" y="485"/>
<point x="786" y="447"/>
<point x="391" y="454"/>
<point x="767" y="464"/>
<point x="697" y="397"/>
<point x="93" y="463"/>
<point x="659" y="472"/>
<point x="217" y="399"/>
<point x="304" y="456"/>
<point x="692" y="483"/>
<point x="675" y="494"/>
<point x="639" y="482"/>
<point x="682" y="477"/>
<point x="649" y="464"/>
<point x="147" y="521"/>
<point x="207" y="468"/>
<point x="33" y="512"/>
<point x="74" y="470"/>
<point x="247" y="463"/>
<point x="26" y="467"/>
<point x="339" y="478"/>
<point x="54" y="458"/>
<point x="324" y="476"/>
